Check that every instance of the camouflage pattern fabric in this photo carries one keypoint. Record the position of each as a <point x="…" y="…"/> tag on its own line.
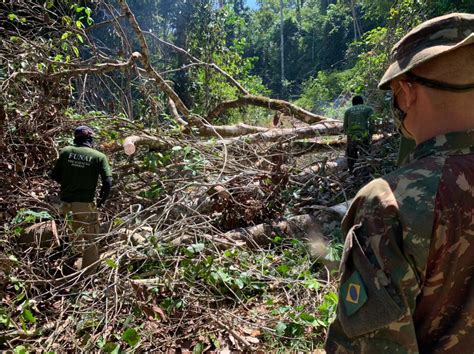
<point x="427" y="41"/>
<point x="358" y="122"/>
<point x="405" y="148"/>
<point x="408" y="265"/>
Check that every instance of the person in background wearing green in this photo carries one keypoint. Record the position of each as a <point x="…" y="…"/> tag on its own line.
<point x="358" y="126"/>
<point x="77" y="170"/>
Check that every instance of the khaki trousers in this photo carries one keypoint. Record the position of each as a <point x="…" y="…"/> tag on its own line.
<point x="85" y="224"/>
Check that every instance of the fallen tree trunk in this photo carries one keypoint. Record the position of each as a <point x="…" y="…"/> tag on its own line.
<point x="262" y="135"/>
<point x="311" y="131"/>
<point x="231" y="130"/>
<point x="305" y="227"/>
<point x="284" y="107"/>
<point x="302" y="227"/>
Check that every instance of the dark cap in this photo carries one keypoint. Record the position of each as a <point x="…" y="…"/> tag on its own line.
<point x="427" y="41"/>
<point x="83" y="131"/>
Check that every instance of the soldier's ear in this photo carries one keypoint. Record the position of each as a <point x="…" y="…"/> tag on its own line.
<point x="409" y="92"/>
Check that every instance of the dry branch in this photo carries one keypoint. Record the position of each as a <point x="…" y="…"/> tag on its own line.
<point x="195" y="61"/>
<point x="322" y="167"/>
<point x="145" y="59"/>
<point x="101" y="68"/>
<point x="269" y="103"/>
<point x="175" y="114"/>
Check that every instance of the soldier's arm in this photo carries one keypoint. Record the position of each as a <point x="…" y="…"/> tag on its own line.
<point x="379" y="286"/>
<point x="106" y="175"/>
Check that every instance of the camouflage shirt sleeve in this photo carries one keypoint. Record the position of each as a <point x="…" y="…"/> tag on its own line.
<point x="407" y="266"/>
<point x="378" y="285"/>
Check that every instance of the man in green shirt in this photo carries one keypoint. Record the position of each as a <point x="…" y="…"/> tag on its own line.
<point x="358" y="127"/>
<point x="77" y="170"/>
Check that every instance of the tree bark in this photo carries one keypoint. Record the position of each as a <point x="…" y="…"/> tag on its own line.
<point x="145" y="59"/>
<point x="277" y="105"/>
<point x="329" y="128"/>
<point x="282" y="48"/>
<point x="260" y="134"/>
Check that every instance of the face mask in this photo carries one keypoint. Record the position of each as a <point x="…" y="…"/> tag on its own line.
<point x="399" y="116"/>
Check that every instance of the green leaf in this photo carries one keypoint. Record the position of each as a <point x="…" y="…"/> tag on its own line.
<point x="40" y="66"/>
<point x="111" y="263"/>
<point x="66" y="20"/>
<point x="198" y="348"/>
<point x="111" y="347"/>
<point x="312" y="284"/>
<point x="131" y="337"/>
<point x="12" y="17"/>
<point x="79" y="24"/>
<point x="196" y="248"/>
<point x="240" y="284"/>
<point x="20" y="349"/>
<point x="100" y="343"/>
<point x="280" y="328"/>
<point x="65" y="35"/>
<point x="307" y="317"/>
<point x="79" y="37"/>
<point x="283" y="269"/>
<point x="28" y="316"/>
<point x="277" y="239"/>
<point x="30" y="216"/>
<point x="75" y="50"/>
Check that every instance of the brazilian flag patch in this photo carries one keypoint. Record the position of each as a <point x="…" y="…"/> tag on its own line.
<point x="353" y="293"/>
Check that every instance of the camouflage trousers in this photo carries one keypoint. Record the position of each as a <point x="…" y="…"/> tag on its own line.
<point x="85" y="227"/>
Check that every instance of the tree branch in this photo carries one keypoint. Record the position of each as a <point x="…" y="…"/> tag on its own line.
<point x="197" y="61"/>
<point x="93" y="69"/>
<point x="145" y="59"/>
<point x="269" y="103"/>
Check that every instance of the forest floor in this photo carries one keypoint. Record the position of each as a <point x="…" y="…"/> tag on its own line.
<point x="171" y="278"/>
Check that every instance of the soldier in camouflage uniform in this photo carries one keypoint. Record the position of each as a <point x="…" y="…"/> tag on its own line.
<point x="408" y="262"/>
<point x="358" y="126"/>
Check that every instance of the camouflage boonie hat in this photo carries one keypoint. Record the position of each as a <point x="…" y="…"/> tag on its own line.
<point x="427" y="41"/>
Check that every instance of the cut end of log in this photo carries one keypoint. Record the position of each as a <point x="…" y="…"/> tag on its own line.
<point x="129" y="148"/>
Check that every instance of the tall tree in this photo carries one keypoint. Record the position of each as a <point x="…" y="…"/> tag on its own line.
<point x="282" y="48"/>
